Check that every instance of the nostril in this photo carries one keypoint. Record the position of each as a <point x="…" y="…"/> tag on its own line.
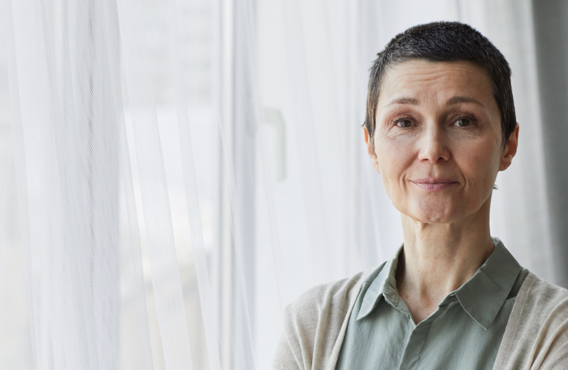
<point x="435" y="153"/>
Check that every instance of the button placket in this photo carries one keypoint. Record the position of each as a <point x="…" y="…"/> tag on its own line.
<point x="416" y="342"/>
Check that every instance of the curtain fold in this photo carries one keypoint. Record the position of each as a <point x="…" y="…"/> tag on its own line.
<point x="174" y="173"/>
<point x="64" y="122"/>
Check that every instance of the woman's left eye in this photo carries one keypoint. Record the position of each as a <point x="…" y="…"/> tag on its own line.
<point x="463" y="122"/>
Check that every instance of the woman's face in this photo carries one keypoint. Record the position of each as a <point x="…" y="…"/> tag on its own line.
<point x="437" y="142"/>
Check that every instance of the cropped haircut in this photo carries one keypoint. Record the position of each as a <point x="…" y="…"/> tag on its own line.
<point x="444" y="42"/>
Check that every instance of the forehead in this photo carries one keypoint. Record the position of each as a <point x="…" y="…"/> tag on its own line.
<point x="426" y="81"/>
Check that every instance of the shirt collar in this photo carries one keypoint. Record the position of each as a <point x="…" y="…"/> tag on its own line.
<point x="481" y="297"/>
<point x="380" y="286"/>
<point x="484" y="294"/>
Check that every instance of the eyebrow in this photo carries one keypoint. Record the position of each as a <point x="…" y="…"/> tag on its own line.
<point x="453" y="101"/>
<point x="463" y="99"/>
<point x="404" y="101"/>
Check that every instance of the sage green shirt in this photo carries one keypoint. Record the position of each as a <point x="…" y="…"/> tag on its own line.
<point x="464" y="333"/>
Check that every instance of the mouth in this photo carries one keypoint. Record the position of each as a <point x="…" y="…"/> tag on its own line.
<point x="430" y="184"/>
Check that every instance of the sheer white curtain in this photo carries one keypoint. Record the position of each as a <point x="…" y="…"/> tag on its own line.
<point x="174" y="173"/>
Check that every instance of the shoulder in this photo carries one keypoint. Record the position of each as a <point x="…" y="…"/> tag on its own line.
<point x="328" y="301"/>
<point x="319" y="313"/>
<point x="314" y="323"/>
<point x="536" y="336"/>
<point x="542" y="302"/>
<point x="545" y="293"/>
<point x="320" y="298"/>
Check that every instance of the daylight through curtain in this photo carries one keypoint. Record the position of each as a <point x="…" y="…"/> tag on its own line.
<point x="174" y="173"/>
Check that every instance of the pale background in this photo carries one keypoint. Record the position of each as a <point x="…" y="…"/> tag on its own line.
<point x="173" y="173"/>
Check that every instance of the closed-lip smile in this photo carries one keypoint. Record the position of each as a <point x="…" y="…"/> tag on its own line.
<point x="433" y="184"/>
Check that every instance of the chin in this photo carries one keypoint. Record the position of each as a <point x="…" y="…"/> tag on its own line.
<point x="433" y="214"/>
<point x="434" y="219"/>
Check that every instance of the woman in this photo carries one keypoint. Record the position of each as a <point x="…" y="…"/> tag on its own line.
<point x="440" y="125"/>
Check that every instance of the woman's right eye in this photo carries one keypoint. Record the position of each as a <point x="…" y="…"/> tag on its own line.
<point x="403" y="122"/>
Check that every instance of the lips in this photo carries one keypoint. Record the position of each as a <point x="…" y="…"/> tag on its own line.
<point x="432" y="184"/>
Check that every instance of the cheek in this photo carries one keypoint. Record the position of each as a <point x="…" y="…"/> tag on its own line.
<point x="481" y="164"/>
<point x="394" y="158"/>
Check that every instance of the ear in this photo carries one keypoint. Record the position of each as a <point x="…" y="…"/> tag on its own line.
<point x="371" y="150"/>
<point x="510" y="149"/>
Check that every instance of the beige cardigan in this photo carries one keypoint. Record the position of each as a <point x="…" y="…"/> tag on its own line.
<point x="536" y="336"/>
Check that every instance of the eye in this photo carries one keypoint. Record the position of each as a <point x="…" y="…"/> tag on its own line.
<point x="403" y="122"/>
<point x="464" y="122"/>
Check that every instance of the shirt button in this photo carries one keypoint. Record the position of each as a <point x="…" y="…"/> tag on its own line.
<point x="452" y="294"/>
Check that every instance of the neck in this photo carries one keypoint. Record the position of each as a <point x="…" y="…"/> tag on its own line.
<point x="439" y="258"/>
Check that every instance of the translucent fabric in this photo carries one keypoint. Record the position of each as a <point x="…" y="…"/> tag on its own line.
<point x="173" y="173"/>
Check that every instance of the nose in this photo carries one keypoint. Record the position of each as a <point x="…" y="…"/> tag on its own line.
<point x="434" y="145"/>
